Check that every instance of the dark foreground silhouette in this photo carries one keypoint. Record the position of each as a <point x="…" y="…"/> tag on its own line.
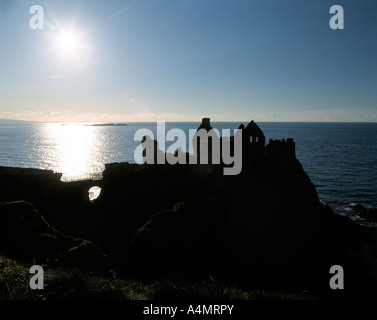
<point x="263" y="228"/>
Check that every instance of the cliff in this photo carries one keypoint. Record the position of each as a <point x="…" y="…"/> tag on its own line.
<point x="264" y="226"/>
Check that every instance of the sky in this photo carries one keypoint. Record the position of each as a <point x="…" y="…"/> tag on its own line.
<point x="182" y="60"/>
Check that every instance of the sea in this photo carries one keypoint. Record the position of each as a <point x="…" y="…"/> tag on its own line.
<point x="340" y="158"/>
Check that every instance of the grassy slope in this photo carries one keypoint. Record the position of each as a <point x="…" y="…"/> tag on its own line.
<point x="74" y="285"/>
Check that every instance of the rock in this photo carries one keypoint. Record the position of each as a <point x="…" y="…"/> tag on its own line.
<point x="28" y="237"/>
<point x="58" y="202"/>
<point x="86" y="257"/>
<point x="369" y="214"/>
<point x="189" y="239"/>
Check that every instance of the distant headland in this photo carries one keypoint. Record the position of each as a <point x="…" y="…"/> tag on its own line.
<point x="16" y="122"/>
<point x="108" y="125"/>
<point x="99" y="124"/>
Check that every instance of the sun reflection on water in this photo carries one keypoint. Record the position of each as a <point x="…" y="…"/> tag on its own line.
<point x="75" y="149"/>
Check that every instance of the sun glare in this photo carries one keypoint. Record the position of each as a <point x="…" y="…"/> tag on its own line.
<point x="70" y="47"/>
<point x="68" y="43"/>
<point x="75" y="149"/>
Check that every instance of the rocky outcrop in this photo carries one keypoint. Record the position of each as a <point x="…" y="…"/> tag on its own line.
<point x="191" y="240"/>
<point x="25" y="235"/>
<point x="58" y="202"/>
<point x="272" y="231"/>
<point x="265" y="225"/>
<point x="85" y="256"/>
<point x="369" y="214"/>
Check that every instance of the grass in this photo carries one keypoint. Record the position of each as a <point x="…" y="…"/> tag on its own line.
<point x="14" y="282"/>
<point x="74" y="285"/>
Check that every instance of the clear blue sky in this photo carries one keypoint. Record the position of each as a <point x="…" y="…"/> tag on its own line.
<point x="181" y="60"/>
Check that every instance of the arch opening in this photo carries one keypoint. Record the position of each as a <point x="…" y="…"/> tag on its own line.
<point x="94" y="193"/>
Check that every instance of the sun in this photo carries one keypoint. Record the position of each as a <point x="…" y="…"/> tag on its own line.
<point x="70" y="47"/>
<point x="68" y="43"/>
